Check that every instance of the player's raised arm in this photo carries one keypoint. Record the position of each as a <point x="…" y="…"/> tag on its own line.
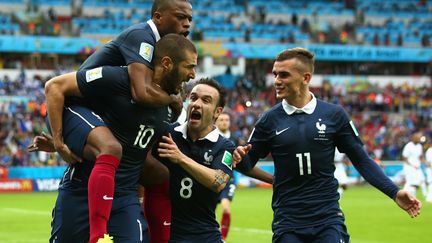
<point x="143" y="90"/>
<point x="56" y="89"/>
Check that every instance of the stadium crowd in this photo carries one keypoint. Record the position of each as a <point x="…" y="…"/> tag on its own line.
<point x="336" y="22"/>
<point x="386" y="117"/>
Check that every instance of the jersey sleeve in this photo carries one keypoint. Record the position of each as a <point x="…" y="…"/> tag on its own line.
<point x="259" y="141"/>
<point x="347" y="141"/>
<point x="103" y="81"/>
<point x="223" y="159"/>
<point x="138" y="46"/>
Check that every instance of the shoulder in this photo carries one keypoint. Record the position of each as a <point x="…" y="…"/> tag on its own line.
<point x="225" y="143"/>
<point x="142" y="31"/>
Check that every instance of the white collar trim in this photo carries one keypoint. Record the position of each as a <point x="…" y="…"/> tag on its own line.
<point x="212" y="136"/>
<point x="309" y="108"/>
<point x="154" y="29"/>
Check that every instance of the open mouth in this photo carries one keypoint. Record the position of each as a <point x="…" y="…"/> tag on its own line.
<point x="195" y="115"/>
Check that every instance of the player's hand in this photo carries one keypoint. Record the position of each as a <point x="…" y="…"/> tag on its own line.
<point x="65" y="152"/>
<point x="239" y="153"/>
<point x="168" y="149"/>
<point x="176" y="106"/>
<point x="42" y="142"/>
<point x="408" y="202"/>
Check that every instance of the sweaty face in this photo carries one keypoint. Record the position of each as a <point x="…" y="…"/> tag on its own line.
<point x="176" y="19"/>
<point x="182" y="72"/>
<point x="223" y="122"/>
<point x="202" y="109"/>
<point x="288" y="79"/>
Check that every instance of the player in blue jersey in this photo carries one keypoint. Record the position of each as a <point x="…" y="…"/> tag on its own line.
<point x="134" y="48"/>
<point x="301" y="133"/>
<point x="134" y="126"/>
<point x="227" y="194"/>
<point x="199" y="161"/>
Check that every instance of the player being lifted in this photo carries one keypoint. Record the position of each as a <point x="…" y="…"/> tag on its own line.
<point x="133" y="47"/>
<point x="133" y="125"/>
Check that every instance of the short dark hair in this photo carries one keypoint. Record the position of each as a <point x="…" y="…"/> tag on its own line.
<point x="303" y="55"/>
<point x="160" y="5"/>
<point x="215" y="84"/>
<point x="173" y="45"/>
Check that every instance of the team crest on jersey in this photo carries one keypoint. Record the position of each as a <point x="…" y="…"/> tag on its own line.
<point x="321" y="127"/>
<point x="208" y="158"/>
<point x="93" y="74"/>
<point x="146" y="51"/>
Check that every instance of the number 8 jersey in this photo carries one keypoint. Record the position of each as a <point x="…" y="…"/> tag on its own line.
<point x="193" y="205"/>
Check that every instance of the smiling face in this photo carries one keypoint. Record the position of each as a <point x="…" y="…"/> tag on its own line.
<point x="182" y="72"/>
<point x="175" y="18"/>
<point x="203" y="109"/>
<point x="290" y="78"/>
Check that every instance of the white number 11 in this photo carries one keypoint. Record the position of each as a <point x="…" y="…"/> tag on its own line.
<point x="308" y="163"/>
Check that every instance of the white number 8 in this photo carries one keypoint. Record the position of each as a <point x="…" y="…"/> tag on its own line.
<point x="186" y="187"/>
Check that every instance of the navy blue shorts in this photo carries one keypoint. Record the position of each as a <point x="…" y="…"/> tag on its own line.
<point x="78" y="121"/>
<point x="70" y="223"/>
<point x="319" y="234"/>
<point x="227" y="192"/>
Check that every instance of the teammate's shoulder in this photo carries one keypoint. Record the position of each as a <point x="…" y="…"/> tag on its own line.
<point x="143" y="30"/>
<point x="330" y="107"/>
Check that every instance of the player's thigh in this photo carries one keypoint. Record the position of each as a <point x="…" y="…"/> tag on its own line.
<point x="70" y="222"/>
<point x="290" y="237"/>
<point x="104" y="142"/>
<point x="78" y="122"/>
<point x="127" y="223"/>
<point x="332" y="233"/>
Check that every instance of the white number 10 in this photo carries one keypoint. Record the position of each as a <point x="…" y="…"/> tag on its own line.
<point x="308" y="163"/>
<point x="142" y="133"/>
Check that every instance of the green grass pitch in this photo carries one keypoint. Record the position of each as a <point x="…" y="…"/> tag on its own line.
<point x="371" y="217"/>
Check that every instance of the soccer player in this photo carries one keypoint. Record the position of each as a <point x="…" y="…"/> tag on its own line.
<point x="134" y="126"/>
<point x="412" y="154"/>
<point x="133" y="47"/>
<point x="199" y="162"/>
<point x="226" y="196"/>
<point x="301" y="133"/>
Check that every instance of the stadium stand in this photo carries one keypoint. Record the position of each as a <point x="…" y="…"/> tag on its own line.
<point x="385" y="115"/>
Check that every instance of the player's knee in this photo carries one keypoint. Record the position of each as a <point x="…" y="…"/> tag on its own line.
<point x="112" y="147"/>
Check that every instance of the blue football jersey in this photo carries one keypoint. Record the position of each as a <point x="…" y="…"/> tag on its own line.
<point x="302" y="146"/>
<point x="136" y="127"/>
<point x="193" y="205"/>
<point x="135" y="44"/>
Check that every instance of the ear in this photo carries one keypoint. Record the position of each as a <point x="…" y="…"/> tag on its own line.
<point x="307" y="76"/>
<point x="157" y="16"/>
<point x="218" y="111"/>
<point x="167" y="63"/>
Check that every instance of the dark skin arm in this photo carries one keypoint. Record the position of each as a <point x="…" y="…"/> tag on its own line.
<point x="147" y="93"/>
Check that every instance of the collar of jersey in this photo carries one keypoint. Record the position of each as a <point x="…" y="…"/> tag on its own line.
<point x="212" y="136"/>
<point x="154" y="29"/>
<point x="226" y="134"/>
<point x="309" y="108"/>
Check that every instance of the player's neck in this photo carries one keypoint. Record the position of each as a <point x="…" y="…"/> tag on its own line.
<point x="300" y="100"/>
